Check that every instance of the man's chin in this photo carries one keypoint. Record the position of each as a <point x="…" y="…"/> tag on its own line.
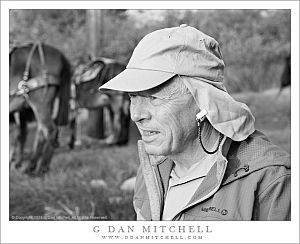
<point x="156" y="150"/>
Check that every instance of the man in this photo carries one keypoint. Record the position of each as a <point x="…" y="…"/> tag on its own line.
<point x="200" y="156"/>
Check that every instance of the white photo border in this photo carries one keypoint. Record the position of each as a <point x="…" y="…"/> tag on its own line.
<point x="93" y="231"/>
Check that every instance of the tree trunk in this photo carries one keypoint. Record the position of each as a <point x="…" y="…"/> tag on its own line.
<point x="95" y="22"/>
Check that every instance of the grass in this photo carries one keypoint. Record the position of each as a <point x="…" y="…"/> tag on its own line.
<point x="84" y="184"/>
<point x="74" y="186"/>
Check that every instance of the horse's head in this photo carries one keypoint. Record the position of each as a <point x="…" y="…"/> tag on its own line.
<point x="16" y="68"/>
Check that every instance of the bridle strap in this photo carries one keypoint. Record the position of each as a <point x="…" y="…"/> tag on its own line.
<point x="42" y="58"/>
<point x="25" y="85"/>
<point x="28" y="62"/>
<point x="35" y="45"/>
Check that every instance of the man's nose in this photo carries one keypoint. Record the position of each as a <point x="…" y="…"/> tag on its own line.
<point x="139" y="109"/>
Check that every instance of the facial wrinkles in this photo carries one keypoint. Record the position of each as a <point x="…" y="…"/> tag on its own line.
<point x="178" y="125"/>
<point x="170" y="114"/>
<point x="186" y="122"/>
<point x="166" y="99"/>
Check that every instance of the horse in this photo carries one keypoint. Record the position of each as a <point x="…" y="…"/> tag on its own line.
<point x="39" y="76"/>
<point x="285" y="79"/>
<point x="286" y="74"/>
<point x="116" y="104"/>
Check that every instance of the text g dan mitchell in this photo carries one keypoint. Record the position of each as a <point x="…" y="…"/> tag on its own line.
<point x="153" y="229"/>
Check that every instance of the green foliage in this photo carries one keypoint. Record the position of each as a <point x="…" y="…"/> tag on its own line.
<point x="254" y="42"/>
<point x="65" y="29"/>
<point x="272" y="112"/>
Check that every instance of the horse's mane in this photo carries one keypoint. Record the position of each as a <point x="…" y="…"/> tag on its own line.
<point x="18" y="45"/>
<point x="15" y="46"/>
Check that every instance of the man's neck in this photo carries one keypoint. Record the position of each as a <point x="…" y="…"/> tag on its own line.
<point x="194" y="153"/>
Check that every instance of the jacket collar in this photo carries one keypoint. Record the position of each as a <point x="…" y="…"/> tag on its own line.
<point x="240" y="165"/>
<point x="212" y="181"/>
<point x="236" y="168"/>
<point x="229" y="166"/>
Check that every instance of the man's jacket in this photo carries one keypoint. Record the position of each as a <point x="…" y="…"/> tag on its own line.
<point x="249" y="181"/>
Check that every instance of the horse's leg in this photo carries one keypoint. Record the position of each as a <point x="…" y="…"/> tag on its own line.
<point x="116" y="110"/>
<point x="14" y="131"/>
<point x="17" y="150"/>
<point x="125" y="122"/>
<point x="73" y="129"/>
<point x="76" y="126"/>
<point x="109" y="116"/>
<point x="117" y="124"/>
<point x="72" y="117"/>
<point x="54" y="115"/>
<point x="111" y="137"/>
<point x="121" y="120"/>
<point x="49" y="132"/>
<point x="46" y="134"/>
<point x="22" y="138"/>
<point x="36" y="151"/>
<point x="44" y="146"/>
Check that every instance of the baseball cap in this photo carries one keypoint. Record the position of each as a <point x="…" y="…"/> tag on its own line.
<point x="164" y="53"/>
<point x="197" y="58"/>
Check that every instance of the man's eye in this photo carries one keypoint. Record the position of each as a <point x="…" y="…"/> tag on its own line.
<point x="152" y="98"/>
<point x="132" y="95"/>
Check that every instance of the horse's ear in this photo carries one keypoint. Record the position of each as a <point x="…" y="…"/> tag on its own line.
<point x="12" y="47"/>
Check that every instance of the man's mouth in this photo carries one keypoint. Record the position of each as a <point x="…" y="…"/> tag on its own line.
<point x="148" y="135"/>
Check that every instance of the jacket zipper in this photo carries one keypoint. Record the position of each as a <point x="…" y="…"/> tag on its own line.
<point x="155" y="171"/>
<point x="178" y="216"/>
<point x="212" y="192"/>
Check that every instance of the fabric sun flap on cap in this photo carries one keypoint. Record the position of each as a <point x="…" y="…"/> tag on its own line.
<point x="231" y="118"/>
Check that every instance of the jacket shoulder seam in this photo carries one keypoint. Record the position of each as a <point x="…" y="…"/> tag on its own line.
<point x="271" y="183"/>
<point x="228" y="180"/>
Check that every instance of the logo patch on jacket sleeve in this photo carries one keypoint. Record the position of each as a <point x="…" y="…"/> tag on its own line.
<point x="214" y="209"/>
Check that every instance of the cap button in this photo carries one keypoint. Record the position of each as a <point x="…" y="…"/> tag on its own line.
<point x="183" y="25"/>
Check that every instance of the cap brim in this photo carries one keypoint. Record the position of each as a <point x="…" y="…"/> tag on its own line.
<point x="134" y="80"/>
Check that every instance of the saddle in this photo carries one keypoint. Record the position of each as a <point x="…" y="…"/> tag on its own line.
<point x="90" y="72"/>
<point x="92" y="69"/>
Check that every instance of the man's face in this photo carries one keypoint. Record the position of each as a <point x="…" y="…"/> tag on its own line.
<point x="165" y="119"/>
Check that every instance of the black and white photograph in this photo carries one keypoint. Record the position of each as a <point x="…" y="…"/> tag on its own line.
<point x="149" y="124"/>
